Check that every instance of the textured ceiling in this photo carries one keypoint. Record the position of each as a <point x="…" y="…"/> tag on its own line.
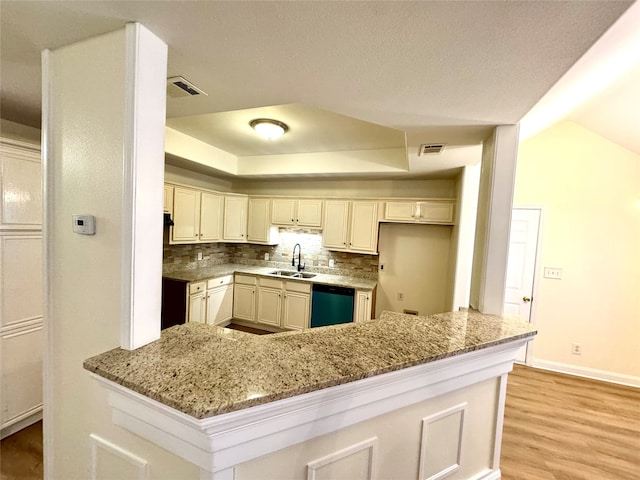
<point x="439" y="71"/>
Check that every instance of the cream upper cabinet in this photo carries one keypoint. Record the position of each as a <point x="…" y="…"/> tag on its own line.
<point x="351" y="226"/>
<point x="168" y="199"/>
<point x="196" y="216"/>
<point x="235" y="218"/>
<point x="210" y="216"/>
<point x="259" y="228"/>
<point x="335" y="234"/>
<point x="20" y="186"/>
<point x="302" y="213"/>
<point x="428" y="211"/>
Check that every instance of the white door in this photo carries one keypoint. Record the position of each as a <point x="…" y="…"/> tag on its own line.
<point x="521" y="264"/>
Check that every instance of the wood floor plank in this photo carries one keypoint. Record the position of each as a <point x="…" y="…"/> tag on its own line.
<point x="569" y="428"/>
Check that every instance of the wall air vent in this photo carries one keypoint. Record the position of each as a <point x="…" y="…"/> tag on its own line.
<point x="180" y="87"/>
<point x="430" y="148"/>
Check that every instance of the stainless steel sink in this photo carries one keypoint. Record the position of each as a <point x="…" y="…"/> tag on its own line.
<point x="292" y="274"/>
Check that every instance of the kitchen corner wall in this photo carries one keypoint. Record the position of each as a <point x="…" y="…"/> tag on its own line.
<point x="314" y="256"/>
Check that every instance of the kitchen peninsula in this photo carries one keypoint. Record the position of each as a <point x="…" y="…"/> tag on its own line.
<point x="326" y="402"/>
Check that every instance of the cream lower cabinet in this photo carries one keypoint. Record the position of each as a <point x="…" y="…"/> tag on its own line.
<point x="351" y="226"/>
<point x="363" y="305"/>
<point x="197" y="302"/>
<point x="284" y="304"/>
<point x="219" y="300"/>
<point x="244" y="298"/>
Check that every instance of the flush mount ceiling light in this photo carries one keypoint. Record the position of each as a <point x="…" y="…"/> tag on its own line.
<point x="269" y="129"/>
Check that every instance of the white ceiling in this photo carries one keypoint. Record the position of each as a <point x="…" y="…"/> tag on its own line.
<point x="440" y="71"/>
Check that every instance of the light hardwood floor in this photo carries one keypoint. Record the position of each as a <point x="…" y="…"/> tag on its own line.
<point x="561" y="427"/>
<point x="556" y="427"/>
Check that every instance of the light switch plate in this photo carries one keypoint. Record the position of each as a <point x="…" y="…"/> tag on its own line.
<point x="266" y="257"/>
<point x="552" y="272"/>
<point x="332" y="263"/>
<point x="84" y="224"/>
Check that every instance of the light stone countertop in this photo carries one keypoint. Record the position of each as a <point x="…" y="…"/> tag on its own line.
<point x="204" y="371"/>
<point x="205" y="272"/>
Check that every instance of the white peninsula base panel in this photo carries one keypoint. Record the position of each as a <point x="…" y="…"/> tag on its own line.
<point x="431" y="421"/>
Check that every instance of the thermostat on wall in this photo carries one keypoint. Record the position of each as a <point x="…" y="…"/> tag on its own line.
<point x="84" y="224"/>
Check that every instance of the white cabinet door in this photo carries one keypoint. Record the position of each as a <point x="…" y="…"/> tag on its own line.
<point x="210" y="213"/>
<point x="186" y="215"/>
<point x="198" y="307"/>
<point x="219" y="304"/>
<point x="400" y="211"/>
<point x="259" y="228"/>
<point x="283" y="211"/>
<point x="336" y="224"/>
<point x="269" y="306"/>
<point x="20" y="187"/>
<point x="363" y="306"/>
<point x="168" y="199"/>
<point x="244" y="302"/>
<point x="235" y="218"/>
<point x="296" y="310"/>
<point x="309" y="213"/>
<point x="364" y="227"/>
<point x="21" y="374"/>
<point x="436" y="212"/>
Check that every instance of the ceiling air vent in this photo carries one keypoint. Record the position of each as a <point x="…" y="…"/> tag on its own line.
<point x="180" y="87"/>
<point x="431" y="148"/>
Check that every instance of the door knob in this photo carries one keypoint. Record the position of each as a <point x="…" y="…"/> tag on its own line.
<point x="526" y="299"/>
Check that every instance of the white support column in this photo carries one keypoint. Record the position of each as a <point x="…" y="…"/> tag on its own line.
<point x="145" y="108"/>
<point x="494" y="220"/>
<point x="497" y="446"/>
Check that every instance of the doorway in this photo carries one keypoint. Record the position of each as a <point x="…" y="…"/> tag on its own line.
<point x="414" y="268"/>
<point x="521" y="267"/>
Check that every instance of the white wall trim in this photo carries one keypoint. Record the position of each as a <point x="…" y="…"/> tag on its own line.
<point x="100" y="443"/>
<point x="497" y="444"/>
<point x="592" y="373"/>
<point x="457" y="409"/>
<point x="370" y="444"/>
<point x="16" y="424"/>
<point x="487" y="475"/>
<point x="221" y="442"/>
<point x="48" y="184"/>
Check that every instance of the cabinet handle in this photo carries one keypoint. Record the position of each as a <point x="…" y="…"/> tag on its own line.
<point x="292" y="219"/>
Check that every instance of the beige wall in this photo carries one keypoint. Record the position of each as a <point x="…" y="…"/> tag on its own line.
<point x="84" y="174"/>
<point x="181" y="175"/>
<point x="589" y="189"/>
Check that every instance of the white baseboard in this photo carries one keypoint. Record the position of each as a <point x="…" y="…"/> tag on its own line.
<point x="488" y="475"/>
<point x="21" y="424"/>
<point x="603" y="375"/>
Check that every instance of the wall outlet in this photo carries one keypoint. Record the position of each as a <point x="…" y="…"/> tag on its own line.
<point x="199" y="255"/>
<point x="400" y="296"/>
<point x="555" y="273"/>
<point x="266" y="257"/>
<point x="576" y="349"/>
<point x="332" y="263"/>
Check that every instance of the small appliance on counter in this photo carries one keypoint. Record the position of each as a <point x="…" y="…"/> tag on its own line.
<point x="331" y="305"/>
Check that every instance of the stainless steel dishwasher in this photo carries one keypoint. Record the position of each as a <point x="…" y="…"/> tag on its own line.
<point x="331" y="305"/>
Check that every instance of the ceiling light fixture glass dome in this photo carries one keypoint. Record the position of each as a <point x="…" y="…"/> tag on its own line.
<point x="268" y="128"/>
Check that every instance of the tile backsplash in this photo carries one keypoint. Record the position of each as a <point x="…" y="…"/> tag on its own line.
<point x="314" y="256"/>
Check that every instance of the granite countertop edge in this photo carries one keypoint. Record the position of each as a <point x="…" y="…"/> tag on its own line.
<point x="294" y="363"/>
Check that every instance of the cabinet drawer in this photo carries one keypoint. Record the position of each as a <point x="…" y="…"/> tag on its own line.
<point x="197" y="287"/>
<point x="245" y="280"/>
<point x="216" y="282"/>
<point x="270" y="283"/>
<point x="298" y="287"/>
